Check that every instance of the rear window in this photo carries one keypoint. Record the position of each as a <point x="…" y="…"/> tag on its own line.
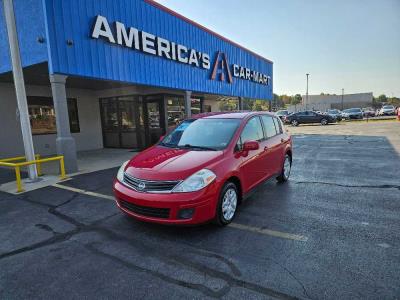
<point x="269" y="126"/>
<point x="278" y="125"/>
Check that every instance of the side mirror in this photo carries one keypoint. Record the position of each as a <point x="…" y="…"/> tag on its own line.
<point x="251" y="145"/>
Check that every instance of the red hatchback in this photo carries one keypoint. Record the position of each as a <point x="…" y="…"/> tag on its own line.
<point x="204" y="168"/>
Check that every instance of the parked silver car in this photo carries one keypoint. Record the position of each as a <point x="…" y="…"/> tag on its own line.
<point x="387" y="110"/>
<point x="335" y="113"/>
<point x="352" y="113"/>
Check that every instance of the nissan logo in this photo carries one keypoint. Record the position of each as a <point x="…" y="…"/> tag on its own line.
<point x="141" y="186"/>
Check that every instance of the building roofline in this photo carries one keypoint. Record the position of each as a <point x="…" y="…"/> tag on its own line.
<point x="178" y="15"/>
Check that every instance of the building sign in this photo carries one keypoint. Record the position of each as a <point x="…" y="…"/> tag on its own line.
<point x="154" y="45"/>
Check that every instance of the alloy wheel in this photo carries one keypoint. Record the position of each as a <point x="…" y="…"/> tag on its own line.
<point x="229" y="204"/>
<point x="287" y="167"/>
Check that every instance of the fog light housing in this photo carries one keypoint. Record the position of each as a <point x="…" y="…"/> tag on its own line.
<point x="186" y="213"/>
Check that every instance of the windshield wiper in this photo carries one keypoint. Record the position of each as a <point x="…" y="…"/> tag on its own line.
<point x="197" y="147"/>
<point x="169" y="145"/>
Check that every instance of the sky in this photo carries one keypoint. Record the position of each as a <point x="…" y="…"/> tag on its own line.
<point x="349" y="44"/>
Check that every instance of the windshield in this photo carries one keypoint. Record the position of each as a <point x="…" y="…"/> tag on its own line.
<point x="281" y="112"/>
<point x="351" y="110"/>
<point x="202" y="134"/>
<point x="333" y="111"/>
<point x="388" y="107"/>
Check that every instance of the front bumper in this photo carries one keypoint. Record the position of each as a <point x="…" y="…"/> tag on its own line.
<point x="203" y="204"/>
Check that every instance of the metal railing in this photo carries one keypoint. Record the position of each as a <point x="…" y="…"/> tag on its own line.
<point x="13" y="162"/>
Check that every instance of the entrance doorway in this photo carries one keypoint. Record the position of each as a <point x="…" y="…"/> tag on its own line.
<point x="132" y="122"/>
<point x="154" y="118"/>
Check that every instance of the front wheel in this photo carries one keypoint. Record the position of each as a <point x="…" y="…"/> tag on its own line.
<point x="324" y="122"/>
<point x="227" y="204"/>
<point x="287" y="166"/>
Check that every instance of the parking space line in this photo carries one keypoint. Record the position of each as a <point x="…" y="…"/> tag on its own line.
<point x="89" y="193"/>
<point x="270" y="232"/>
<point x="264" y="231"/>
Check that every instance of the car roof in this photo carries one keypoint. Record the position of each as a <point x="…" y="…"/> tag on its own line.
<point x="230" y="114"/>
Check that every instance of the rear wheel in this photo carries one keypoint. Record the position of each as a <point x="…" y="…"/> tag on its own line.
<point x="324" y="122"/>
<point x="294" y="123"/>
<point x="287" y="166"/>
<point x="227" y="204"/>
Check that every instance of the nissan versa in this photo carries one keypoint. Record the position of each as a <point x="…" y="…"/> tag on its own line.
<point x="203" y="169"/>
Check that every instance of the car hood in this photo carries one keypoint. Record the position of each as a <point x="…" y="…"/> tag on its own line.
<point x="163" y="163"/>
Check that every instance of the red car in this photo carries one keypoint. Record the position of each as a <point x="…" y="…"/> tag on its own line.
<point x="204" y="168"/>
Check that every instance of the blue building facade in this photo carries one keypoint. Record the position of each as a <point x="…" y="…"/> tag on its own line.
<point x="150" y="45"/>
<point x="122" y="72"/>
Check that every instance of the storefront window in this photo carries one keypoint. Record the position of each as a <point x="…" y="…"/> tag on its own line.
<point x="42" y="115"/>
<point x="176" y="110"/>
<point x="196" y="103"/>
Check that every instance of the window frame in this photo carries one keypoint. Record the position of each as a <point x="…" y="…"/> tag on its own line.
<point x="73" y="101"/>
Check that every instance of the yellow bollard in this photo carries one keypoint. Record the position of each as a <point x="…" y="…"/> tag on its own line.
<point x="18" y="178"/>
<point x="62" y="168"/>
<point x="38" y="165"/>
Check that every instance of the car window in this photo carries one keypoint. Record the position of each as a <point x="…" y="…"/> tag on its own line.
<point x="269" y="126"/>
<point x="252" y="131"/>
<point x="278" y="125"/>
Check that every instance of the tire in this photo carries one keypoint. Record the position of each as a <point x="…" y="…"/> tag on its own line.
<point x="224" y="217"/>
<point x="285" y="173"/>
<point x="324" y="121"/>
<point x="294" y="123"/>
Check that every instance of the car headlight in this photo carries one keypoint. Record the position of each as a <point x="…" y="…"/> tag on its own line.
<point x="120" y="174"/>
<point x="195" y="182"/>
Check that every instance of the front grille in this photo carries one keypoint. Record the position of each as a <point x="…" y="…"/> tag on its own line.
<point x="150" y="186"/>
<point x="162" y="213"/>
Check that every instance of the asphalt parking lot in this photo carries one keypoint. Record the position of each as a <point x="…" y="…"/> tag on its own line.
<point x="331" y="232"/>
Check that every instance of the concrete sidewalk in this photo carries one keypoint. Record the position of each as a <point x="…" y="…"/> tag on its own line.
<point x="88" y="161"/>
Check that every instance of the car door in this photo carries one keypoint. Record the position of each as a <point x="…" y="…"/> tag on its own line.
<point x="314" y="117"/>
<point x="301" y="117"/>
<point x="251" y="168"/>
<point x="272" y="146"/>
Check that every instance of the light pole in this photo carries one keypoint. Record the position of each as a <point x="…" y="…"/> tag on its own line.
<point x="19" y="85"/>
<point x="342" y="97"/>
<point x="307" y="91"/>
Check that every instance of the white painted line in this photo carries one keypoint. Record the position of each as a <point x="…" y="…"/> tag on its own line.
<point x="270" y="232"/>
<point x="89" y="193"/>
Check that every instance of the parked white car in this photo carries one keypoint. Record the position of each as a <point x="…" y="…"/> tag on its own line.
<point x="387" y="110"/>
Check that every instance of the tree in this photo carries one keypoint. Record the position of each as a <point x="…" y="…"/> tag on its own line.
<point x="382" y="98"/>
<point x="296" y="99"/>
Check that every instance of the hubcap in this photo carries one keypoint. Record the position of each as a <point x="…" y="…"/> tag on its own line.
<point x="229" y="203"/>
<point x="286" y="167"/>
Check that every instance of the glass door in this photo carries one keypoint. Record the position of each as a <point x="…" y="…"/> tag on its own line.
<point x="154" y="118"/>
<point x="120" y="117"/>
<point x="110" y="123"/>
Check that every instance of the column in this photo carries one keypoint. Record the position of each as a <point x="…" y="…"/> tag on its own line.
<point x="240" y="99"/>
<point x="188" y="104"/>
<point x="165" y="113"/>
<point x="65" y="142"/>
